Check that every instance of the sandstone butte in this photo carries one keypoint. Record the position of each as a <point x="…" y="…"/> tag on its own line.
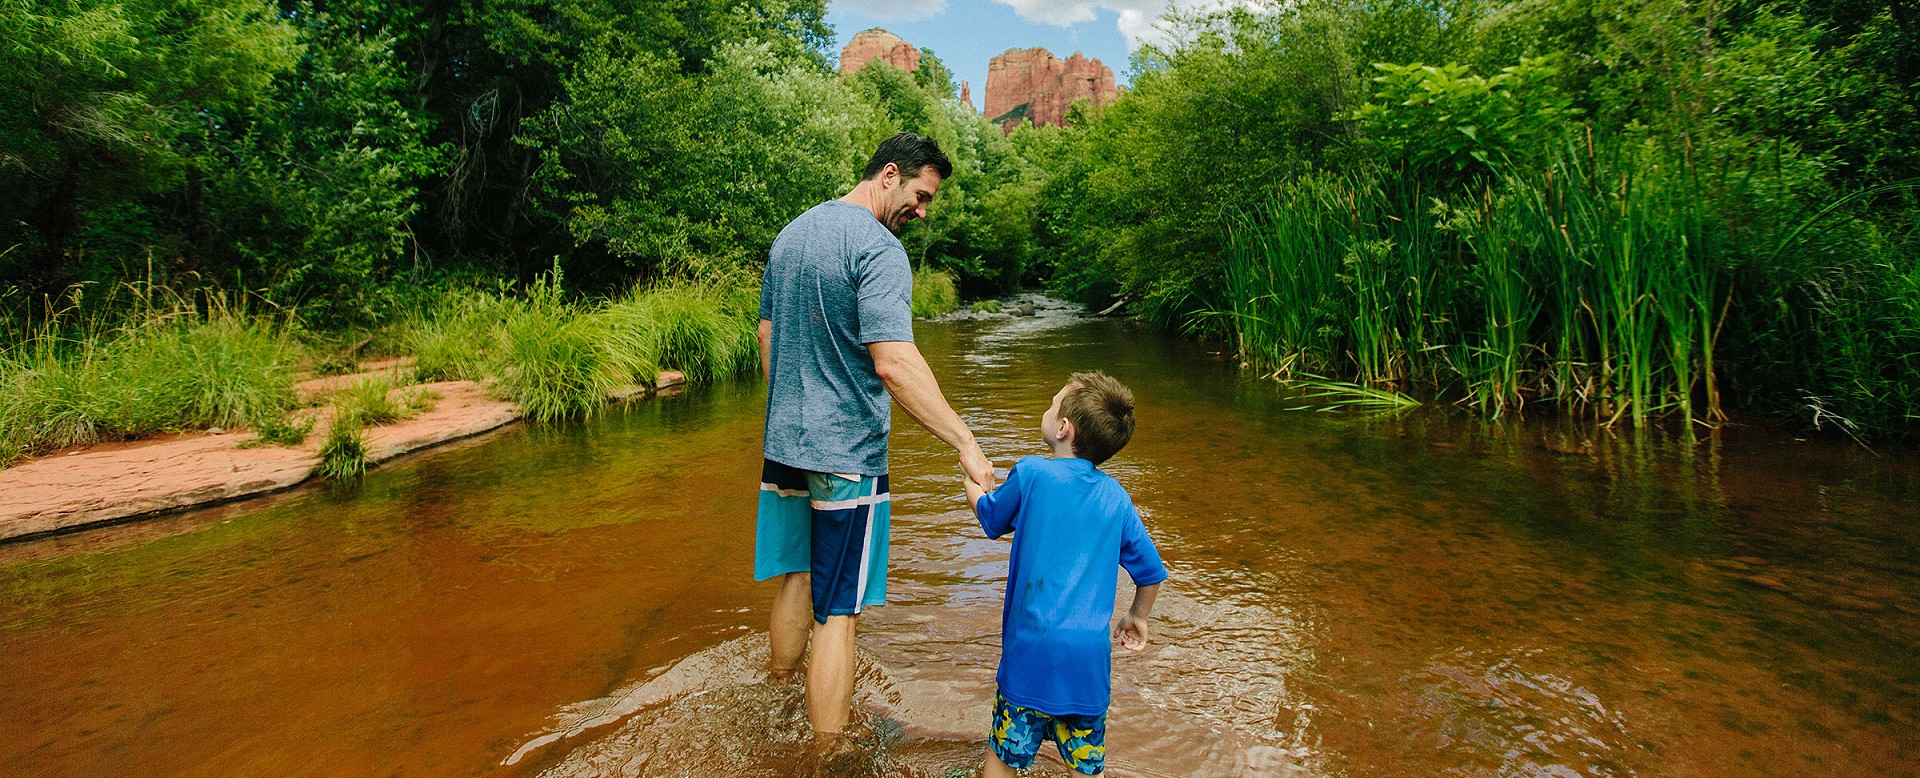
<point x="1033" y="85"/>
<point x="879" y="44"/>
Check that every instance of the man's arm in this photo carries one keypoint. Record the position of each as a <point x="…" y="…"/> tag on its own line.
<point x="912" y="385"/>
<point x="765" y="336"/>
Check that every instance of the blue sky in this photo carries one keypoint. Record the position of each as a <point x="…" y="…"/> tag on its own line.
<point x="967" y="33"/>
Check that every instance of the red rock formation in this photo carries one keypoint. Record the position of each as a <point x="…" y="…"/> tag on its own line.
<point x="1032" y="85"/>
<point x="878" y="44"/>
<point x="966" y="96"/>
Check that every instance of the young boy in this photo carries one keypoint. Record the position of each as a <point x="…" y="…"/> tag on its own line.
<point x="1073" y="528"/>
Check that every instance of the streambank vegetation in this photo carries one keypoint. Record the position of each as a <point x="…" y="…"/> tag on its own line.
<point x="204" y="361"/>
<point x="1632" y="210"/>
<point x="1635" y="211"/>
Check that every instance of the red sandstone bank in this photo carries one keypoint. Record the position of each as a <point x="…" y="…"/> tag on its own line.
<point x="119" y="482"/>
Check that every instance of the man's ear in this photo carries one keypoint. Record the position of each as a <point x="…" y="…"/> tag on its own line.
<point x="890" y="176"/>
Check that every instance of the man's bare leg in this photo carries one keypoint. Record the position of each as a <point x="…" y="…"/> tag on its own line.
<point x="830" y="676"/>
<point x="792" y="621"/>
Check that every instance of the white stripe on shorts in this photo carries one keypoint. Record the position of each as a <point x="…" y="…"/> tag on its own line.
<point x="840" y="505"/>
<point x="866" y="553"/>
<point x="775" y="488"/>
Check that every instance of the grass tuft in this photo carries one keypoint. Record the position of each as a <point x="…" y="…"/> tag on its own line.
<point x="934" y="293"/>
<point x="279" y="430"/>
<point x="199" y="363"/>
<point x="346" y="452"/>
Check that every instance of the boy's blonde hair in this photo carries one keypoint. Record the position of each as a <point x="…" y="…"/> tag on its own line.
<point x="1101" y="410"/>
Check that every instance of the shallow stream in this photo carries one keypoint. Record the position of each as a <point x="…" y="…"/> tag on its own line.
<point x="1352" y="594"/>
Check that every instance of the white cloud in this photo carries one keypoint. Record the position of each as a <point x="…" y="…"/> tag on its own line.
<point x="1139" y="20"/>
<point x="895" y="10"/>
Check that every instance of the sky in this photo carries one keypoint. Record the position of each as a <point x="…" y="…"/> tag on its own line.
<point x="965" y="34"/>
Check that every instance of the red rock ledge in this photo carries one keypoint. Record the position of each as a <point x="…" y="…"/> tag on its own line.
<point x="112" y="483"/>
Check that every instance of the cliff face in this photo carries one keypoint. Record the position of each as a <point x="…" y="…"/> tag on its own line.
<point x="878" y="44"/>
<point x="1032" y="85"/>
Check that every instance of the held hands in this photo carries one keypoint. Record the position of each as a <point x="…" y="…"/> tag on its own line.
<point x="978" y="468"/>
<point x="1132" y="632"/>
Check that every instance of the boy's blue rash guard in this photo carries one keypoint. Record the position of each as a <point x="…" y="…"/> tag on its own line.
<point x="1073" y="528"/>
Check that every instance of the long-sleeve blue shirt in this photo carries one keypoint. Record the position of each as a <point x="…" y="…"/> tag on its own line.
<point x="1073" y="528"/>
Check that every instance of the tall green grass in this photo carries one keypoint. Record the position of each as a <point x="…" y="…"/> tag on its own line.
<point x="1590" y="285"/>
<point x="559" y="357"/>
<point x="191" y="363"/>
<point x="934" y="293"/>
<point x="1610" y="283"/>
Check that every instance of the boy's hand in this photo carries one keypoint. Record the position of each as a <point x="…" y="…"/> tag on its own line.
<point x="1132" y="632"/>
<point x="974" y="492"/>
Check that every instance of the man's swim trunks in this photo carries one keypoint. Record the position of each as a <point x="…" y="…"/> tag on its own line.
<point x="1018" y="733"/>
<point x="833" y="526"/>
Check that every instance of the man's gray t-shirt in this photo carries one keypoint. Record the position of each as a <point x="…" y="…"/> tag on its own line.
<point x="836" y="281"/>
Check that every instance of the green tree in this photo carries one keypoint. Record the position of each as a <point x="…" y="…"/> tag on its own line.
<point x="98" y="104"/>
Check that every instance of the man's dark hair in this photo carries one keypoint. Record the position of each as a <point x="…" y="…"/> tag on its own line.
<point x="912" y="154"/>
<point x="1101" y="410"/>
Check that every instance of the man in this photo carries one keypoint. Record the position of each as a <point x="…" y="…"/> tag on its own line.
<point x="836" y="339"/>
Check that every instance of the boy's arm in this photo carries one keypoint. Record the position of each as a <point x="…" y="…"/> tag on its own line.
<point x="1142" y="562"/>
<point x="1132" y="629"/>
<point x="995" y="509"/>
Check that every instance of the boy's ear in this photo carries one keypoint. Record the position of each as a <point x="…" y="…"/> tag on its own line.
<point x="1066" y="429"/>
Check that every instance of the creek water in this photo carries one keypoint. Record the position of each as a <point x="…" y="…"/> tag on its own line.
<point x="1352" y="594"/>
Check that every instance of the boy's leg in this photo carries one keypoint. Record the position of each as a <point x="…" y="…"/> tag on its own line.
<point x="1013" y="737"/>
<point x="830" y="676"/>
<point x="792" y="623"/>
<point x="997" y="768"/>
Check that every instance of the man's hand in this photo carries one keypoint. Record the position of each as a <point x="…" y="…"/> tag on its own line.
<point x="978" y="468"/>
<point x="1132" y="632"/>
<point x="974" y="493"/>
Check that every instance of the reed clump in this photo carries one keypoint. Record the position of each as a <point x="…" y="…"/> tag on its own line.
<point x="1602" y="284"/>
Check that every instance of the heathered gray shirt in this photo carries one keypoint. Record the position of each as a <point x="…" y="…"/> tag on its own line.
<point x="836" y="280"/>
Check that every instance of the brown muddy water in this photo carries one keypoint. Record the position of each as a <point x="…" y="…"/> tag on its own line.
<point x="1352" y="595"/>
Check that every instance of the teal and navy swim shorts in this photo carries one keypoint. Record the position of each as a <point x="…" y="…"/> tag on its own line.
<point x="833" y="526"/>
<point x="1018" y="733"/>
